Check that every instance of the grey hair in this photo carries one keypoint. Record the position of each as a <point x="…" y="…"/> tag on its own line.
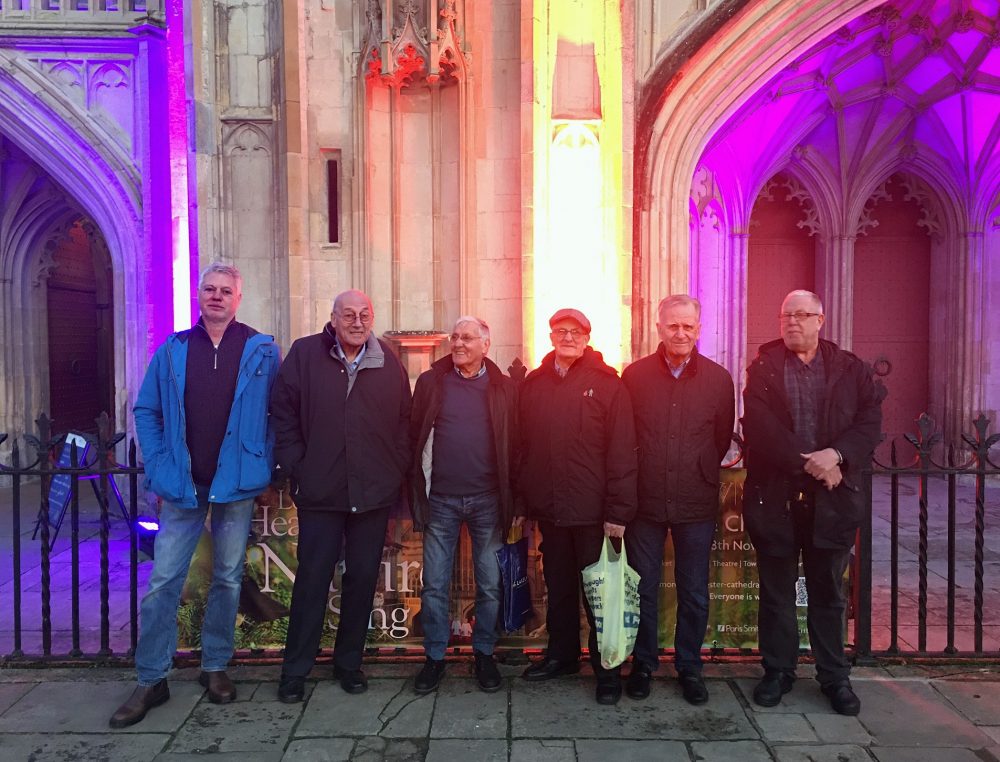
<point x="223" y="269"/>
<point x="678" y="300"/>
<point x="807" y="294"/>
<point x="484" y="330"/>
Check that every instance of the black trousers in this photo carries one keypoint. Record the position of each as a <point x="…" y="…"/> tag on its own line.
<point x="321" y="536"/>
<point x="566" y="551"/>
<point x="776" y="619"/>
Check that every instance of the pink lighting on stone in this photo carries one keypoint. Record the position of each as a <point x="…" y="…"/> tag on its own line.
<point x="183" y="275"/>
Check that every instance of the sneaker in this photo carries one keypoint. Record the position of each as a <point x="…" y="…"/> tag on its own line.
<point x="429" y="676"/>
<point x="487" y="673"/>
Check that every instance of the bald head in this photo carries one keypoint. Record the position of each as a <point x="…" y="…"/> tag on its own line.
<point x="352" y="318"/>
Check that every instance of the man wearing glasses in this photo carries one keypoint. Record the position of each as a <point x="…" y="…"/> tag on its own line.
<point x="340" y="410"/>
<point x="812" y="419"/>
<point x="685" y="407"/>
<point x="462" y="429"/>
<point x="577" y="478"/>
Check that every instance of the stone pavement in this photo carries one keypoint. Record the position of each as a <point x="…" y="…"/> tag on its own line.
<point x="909" y="714"/>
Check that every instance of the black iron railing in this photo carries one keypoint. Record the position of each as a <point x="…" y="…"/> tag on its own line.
<point x="931" y="462"/>
<point x="59" y="459"/>
<point x="932" y="468"/>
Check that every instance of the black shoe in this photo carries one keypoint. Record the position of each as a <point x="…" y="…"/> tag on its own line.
<point x="770" y="690"/>
<point x="609" y="689"/>
<point x="351" y="680"/>
<point x="548" y="668"/>
<point x="693" y="687"/>
<point x="843" y="699"/>
<point x="220" y="688"/>
<point x="637" y="684"/>
<point x="487" y="673"/>
<point x="140" y="702"/>
<point x="291" y="689"/>
<point x="429" y="676"/>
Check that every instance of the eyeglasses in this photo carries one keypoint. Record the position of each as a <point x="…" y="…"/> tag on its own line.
<point x="799" y="317"/>
<point x="350" y="318"/>
<point x="562" y="333"/>
<point x="465" y="338"/>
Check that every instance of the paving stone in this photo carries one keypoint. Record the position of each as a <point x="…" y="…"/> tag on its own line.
<point x="835" y="728"/>
<point x="241" y="726"/>
<point x="976" y="700"/>
<point x="226" y="756"/>
<point x="728" y="751"/>
<point x="909" y="754"/>
<point x="86" y="708"/>
<point x="634" y="751"/>
<point x="992" y="732"/>
<point x="786" y="728"/>
<point x="375" y="749"/>
<point x="821" y="754"/>
<point x="60" y="747"/>
<point x="569" y="711"/>
<point x="553" y="750"/>
<point x="388" y="707"/>
<point x="448" y="750"/>
<point x="11" y="693"/>
<point x="464" y="711"/>
<point x="319" y="750"/>
<point x="914" y="714"/>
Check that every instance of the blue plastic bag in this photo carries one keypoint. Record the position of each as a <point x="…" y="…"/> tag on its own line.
<point x="513" y="560"/>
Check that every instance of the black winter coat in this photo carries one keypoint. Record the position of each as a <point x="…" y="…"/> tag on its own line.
<point x="342" y="452"/>
<point x="851" y="422"/>
<point x="684" y="427"/>
<point x="577" y="445"/>
<point x="501" y="397"/>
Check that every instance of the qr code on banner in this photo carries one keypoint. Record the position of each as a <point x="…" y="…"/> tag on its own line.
<point x="801" y="596"/>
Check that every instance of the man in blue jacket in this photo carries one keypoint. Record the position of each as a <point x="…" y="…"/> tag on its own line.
<point x="202" y="422"/>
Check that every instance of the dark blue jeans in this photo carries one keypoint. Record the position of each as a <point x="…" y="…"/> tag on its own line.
<point x="644" y="541"/>
<point x="481" y="514"/>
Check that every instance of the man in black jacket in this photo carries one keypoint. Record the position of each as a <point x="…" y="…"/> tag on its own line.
<point x="462" y="432"/>
<point x="812" y="419"/>
<point x="340" y="410"/>
<point x="685" y="407"/>
<point x="577" y="479"/>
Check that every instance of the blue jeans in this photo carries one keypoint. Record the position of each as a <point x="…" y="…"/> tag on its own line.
<point x="481" y="514"/>
<point x="692" y="543"/>
<point x="176" y="540"/>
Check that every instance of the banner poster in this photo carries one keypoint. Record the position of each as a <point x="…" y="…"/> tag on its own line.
<point x="266" y="592"/>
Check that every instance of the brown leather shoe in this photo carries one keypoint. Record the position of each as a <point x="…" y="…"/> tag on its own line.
<point x="220" y="688"/>
<point x="140" y="702"/>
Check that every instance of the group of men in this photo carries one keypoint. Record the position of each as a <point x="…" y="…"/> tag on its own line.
<point x="586" y="454"/>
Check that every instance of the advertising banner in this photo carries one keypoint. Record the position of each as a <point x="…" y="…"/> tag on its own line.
<point x="395" y="617"/>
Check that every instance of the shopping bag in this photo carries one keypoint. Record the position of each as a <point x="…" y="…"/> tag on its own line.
<point x="513" y="559"/>
<point x="612" y="589"/>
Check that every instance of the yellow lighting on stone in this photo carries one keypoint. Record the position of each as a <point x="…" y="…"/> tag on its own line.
<point x="577" y="256"/>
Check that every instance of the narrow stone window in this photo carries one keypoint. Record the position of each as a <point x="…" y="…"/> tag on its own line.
<point x="333" y="200"/>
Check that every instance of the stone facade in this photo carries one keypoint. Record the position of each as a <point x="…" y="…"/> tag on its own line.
<point x="497" y="158"/>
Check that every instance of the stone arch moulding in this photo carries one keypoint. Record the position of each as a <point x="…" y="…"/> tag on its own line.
<point x="78" y="156"/>
<point x="685" y="100"/>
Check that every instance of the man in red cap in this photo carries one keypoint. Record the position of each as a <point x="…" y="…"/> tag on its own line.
<point x="578" y="480"/>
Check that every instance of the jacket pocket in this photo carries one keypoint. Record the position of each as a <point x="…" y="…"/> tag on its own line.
<point x="255" y="472"/>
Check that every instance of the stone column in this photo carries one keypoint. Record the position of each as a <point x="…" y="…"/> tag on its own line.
<point x="835" y="286"/>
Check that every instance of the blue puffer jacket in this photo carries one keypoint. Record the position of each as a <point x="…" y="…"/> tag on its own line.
<point x="246" y="456"/>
